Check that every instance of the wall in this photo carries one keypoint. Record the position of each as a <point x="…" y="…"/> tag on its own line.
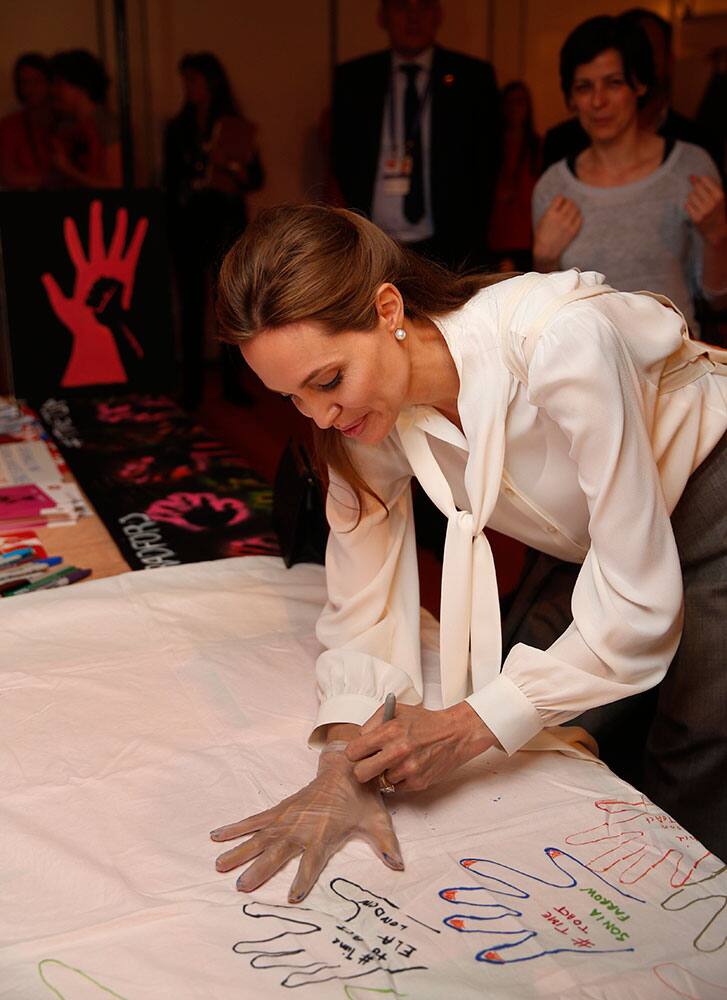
<point x="278" y="56"/>
<point x="464" y="27"/>
<point x="43" y="26"/>
<point x="276" y="53"/>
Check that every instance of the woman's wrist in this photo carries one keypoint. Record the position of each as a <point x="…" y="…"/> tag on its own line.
<point x="341" y="731"/>
<point x="475" y="735"/>
<point x="545" y="262"/>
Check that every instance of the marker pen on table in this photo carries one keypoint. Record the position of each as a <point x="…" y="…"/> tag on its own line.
<point x="15" y="555"/>
<point x="75" y="577"/>
<point x="30" y="569"/>
<point x="43" y="582"/>
<point x="10" y="585"/>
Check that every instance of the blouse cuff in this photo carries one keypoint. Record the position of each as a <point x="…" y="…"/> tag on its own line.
<point x="507" y="712"/>
<point x="354" y="708"/>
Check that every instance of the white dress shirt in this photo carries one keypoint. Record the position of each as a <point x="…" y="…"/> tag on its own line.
<point x="586" y="462"/>
<point x="387" y="210"/>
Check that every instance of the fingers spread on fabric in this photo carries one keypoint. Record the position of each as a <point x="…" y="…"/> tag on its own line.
<point x="384" y="841"/>
<point x="248" y="825"/>
<point x="241" y="854"/>
<point x="311" y="865"/>
<point x="315" y="822"/>
<point x="270" y="861"/>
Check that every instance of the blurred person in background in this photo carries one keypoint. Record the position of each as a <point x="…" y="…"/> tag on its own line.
<point x="25" y="135"/>
<point x="86" y="149"/>
<point x="211" y="160"/>
<point x="646" y="211"/>
<point x="415" y="141"/>
<point x="510" y="235"/>
<point x="656" y="113"/>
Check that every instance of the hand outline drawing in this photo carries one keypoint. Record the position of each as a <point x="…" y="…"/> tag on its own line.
<point x="69" y="983"/>
<point x="710" y="900"/>
<point x="335" y="950"/>
<point x="686" y="984"/>
<point x="100" y="277"/>
<point x="623" y="839"/>
<point x="519" y="938"/>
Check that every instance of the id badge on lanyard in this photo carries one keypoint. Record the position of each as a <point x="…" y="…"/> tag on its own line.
<point x="397" y="175"/>
<point x="396" y="180"/>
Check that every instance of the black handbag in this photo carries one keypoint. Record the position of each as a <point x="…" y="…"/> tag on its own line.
<point x="299" y="513"/>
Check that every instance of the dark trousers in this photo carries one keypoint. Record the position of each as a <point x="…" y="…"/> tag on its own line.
<point x="670" y="742"/>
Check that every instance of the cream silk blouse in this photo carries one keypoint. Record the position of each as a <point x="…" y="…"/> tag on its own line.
<point x="585" y="462"/>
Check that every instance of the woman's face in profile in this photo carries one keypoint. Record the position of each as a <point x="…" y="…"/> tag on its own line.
<point x="602" y="97"/>
<point x="356" y="381"/>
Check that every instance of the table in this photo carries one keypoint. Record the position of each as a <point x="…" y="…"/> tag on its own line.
<point x="140" y="711"/>
<point x="86" y="544"/>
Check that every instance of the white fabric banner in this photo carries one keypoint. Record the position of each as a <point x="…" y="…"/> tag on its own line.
<point x="139" y="712"/>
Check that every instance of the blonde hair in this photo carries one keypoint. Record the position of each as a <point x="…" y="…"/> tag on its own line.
<point x="313" y="263"/>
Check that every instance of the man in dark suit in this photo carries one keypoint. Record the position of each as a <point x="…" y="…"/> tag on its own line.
<point x="415" y="137"/>
<point x="568" y="138"/>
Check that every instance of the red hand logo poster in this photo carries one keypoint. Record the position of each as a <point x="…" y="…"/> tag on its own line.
<point x="96" y="311"/>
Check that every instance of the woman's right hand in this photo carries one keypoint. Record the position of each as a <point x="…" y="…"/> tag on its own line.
<point x="316" y="821"/>
<point x="556" y="230"/>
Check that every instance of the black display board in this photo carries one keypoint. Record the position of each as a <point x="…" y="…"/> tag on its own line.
<point x="166" y="489"/>
<point x="87" y="290"/>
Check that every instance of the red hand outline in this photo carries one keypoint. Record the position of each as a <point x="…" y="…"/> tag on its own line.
<point x="626" y="837"/>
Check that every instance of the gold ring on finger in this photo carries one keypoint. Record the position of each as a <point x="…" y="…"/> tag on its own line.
<point x="385" y="786"/>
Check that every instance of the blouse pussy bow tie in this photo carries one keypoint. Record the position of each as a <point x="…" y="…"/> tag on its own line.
<point x="470" y="609"/>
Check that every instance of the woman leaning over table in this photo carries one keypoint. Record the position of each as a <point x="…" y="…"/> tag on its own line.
<point x="646" y="211"/>
<point x="408" y="370"/>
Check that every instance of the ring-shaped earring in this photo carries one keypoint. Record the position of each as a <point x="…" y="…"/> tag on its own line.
<point x="400" y="333"/>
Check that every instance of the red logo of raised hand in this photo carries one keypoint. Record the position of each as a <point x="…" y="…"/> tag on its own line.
<point x="95" y="312"/>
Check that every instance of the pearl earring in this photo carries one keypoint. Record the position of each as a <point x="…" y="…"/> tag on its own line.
<point x="400" y="333"/>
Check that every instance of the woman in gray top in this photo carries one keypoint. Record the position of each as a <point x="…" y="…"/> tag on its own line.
<point x="647" y="212"/>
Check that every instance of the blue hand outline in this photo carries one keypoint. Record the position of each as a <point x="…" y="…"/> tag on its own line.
<point x="502" y="880"/>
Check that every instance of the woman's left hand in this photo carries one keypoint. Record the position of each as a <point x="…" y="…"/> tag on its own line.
<point x="418" y="747"/>
<point x="706" y="208"/>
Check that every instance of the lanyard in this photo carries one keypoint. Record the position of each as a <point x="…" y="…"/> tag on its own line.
<point x="416" y="126"/>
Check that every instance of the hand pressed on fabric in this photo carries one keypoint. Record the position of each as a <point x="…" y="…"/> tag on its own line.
<point x="418" y="747"/>
<point x="315" y="822"/>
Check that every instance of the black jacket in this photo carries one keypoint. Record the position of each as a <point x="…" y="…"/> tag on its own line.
<point x="464" y="146"/>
